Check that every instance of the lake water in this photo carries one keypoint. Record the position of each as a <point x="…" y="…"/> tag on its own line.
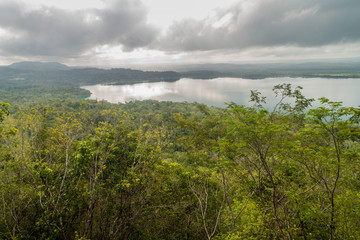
<point x="217" y="92"/>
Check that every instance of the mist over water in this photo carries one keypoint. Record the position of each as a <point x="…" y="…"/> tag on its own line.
<point x="217" y="92"/>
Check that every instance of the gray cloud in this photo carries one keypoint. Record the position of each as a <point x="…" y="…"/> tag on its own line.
<point x="269" y="23"/>
<point x="49" y="32"/>
<point x="52" y="31"/>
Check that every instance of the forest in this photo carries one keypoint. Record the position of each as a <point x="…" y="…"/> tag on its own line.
<point x="81" y="169"/>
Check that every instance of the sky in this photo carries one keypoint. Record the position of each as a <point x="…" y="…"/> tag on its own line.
<point x="118" y="33"/>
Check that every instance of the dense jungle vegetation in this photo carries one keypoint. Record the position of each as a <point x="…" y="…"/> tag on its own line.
<point x="79" y="169"/>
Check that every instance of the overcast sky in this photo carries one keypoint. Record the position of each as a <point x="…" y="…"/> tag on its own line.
<point x="130" y="32"/>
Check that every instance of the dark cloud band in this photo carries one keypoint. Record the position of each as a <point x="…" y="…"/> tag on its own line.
<point x="53" y="31"/>
<point x="63" y="33"/>
<point x="268" y="23"/>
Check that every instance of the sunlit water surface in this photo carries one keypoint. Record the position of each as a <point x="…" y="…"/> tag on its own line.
<point x="217" y="92"/>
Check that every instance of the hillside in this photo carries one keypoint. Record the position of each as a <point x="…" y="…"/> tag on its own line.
<point x="76" y="169"/>
<point x="39" y="66"/>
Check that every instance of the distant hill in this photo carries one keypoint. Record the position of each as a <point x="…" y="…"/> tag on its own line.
<point x="266" y="67"/>
<point x="53" y="73"/>
<point x="59" y="74"/>
<point x="39" y="66"/>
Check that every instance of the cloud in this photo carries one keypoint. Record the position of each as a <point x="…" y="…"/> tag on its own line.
<point x="51" y="31"/>
<point x="274" y="28"/>
<point x="268" y="23"/>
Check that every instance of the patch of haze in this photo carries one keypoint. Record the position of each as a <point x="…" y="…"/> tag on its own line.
<point x="65" y="4"/>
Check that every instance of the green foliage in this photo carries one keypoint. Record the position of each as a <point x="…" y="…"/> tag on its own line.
<point x="4" y="111"/>
<point x="75" y="169"/>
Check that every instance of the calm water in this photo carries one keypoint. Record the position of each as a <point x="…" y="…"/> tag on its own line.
<point x="217" y="92"/>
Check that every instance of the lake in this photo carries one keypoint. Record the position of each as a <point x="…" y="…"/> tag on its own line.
<point x="217" y="92"/>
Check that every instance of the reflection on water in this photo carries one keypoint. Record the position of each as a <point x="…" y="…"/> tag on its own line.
<point x="215" y="92"/>
<point x="125" y="93"/>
